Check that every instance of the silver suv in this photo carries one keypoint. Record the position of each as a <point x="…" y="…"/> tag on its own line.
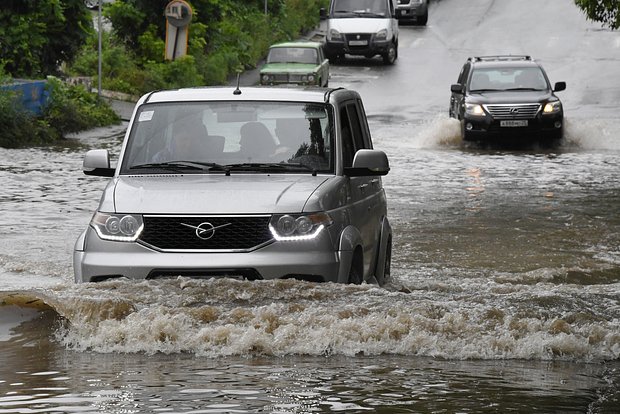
<point x="257" y="183"/>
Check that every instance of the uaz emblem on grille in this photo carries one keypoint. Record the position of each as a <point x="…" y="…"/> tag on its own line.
<point x="205" y="230"/>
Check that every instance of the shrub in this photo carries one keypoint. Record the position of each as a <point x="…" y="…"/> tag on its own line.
<point x="72" y="109"/>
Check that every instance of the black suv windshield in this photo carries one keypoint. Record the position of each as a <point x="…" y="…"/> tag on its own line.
<point x="356" y="8"/>
<point x="508" y="78"/>
<point x="223" y="137"/>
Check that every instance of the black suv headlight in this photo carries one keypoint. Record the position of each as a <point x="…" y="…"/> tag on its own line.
<point x="474" y="109"/>
<point x="288" y="227"/>
<point x="117" y="227"/>
<point x="552" y="107"/>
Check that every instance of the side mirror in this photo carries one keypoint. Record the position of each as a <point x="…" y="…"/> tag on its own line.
<point x="368" y="162"/>
<point x="97" y="162"/>
<point x="456" y="88"/>
<point x="322" y="13"/>
<point x="559" y="86"/>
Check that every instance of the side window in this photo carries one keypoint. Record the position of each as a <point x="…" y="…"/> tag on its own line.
<point x="356" y="126"/>
<point x="353" y="133"/>
<point x="348" y="149"/>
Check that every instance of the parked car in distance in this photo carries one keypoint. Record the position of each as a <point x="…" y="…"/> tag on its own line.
<point x="361" y="27"/>
<point x="412" y="10"/>
<point x="506" y="97"/>
<point x="253" y="183"/>
<point x="298" y="63"/>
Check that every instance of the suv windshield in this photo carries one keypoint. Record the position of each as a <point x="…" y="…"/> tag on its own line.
<point x="354" y="8"/>
<point x="507" y="78"/>
<point x="220" y="137"/>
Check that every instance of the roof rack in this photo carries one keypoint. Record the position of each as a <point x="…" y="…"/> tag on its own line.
<point x="500" y="57"/>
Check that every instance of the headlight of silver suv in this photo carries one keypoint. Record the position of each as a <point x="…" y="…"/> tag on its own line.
<point x="290" y="227"/>
<point x="552" y="107"/>
<point x="117" y="227"/>
<point x="381" y="35"/>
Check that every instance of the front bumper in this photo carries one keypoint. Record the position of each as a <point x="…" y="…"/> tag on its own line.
<point x="372" y="48"/>
<point x="286" y="80"/>
<point x="486" y="127"/>
<point x="315" y="260"/>
<point x="411" y="11"/>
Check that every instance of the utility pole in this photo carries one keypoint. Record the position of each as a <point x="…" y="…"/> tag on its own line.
<point x="99" y="49"/>
<point x="265" y="7"/>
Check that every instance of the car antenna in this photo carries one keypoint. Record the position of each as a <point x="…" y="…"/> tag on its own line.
<point x="237" y="91"/>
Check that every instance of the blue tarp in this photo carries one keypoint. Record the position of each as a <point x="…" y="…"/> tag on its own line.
<point x="33" y="93"/>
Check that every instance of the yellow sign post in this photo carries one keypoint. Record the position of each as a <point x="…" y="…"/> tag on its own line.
<point x="178" y="16"/>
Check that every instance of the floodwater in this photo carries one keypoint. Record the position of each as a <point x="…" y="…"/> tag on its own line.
<point x="506" y="271"/>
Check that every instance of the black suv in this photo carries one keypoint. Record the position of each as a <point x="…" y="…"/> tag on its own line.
<point x="506" y="96"/>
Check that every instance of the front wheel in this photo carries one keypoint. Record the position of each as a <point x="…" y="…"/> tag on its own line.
<point x="389" y="57"/>
<point x="356" y="270"/>
<point x="423" y="19"/>
<point x="387" y="264"/>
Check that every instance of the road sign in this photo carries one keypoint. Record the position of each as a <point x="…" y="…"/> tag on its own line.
<point x="178" y="17"/>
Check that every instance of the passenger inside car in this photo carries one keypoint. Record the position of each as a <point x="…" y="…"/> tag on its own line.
<point x="190" y="142"/>
<point x="256" y="143"/>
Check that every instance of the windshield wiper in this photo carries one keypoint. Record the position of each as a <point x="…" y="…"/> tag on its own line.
<point x="180" y="165"/>
<point x="485" y="90"/>
<point x="267" y="166"/>
<point x="523" y="89"/>
<point x="173" y="165"/>
<point x="368" y="14"/>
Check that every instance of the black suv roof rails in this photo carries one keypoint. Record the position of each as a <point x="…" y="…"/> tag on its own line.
<point x="500" y="57"/>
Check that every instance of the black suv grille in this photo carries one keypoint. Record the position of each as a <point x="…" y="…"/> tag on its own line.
<point x="238" y="233"/>
<point x="513" y="111"/>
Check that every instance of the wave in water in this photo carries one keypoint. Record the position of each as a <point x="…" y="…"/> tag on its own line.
<point x="216" y="318"/>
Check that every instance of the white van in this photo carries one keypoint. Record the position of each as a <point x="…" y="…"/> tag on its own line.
<point x="361" y="27"/>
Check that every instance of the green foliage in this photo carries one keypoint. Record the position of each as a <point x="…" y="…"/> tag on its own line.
<point x="37" y="35"/>
<point x="605" y="11"/>
<point x="225" y="36"/>
<point x="72" y="108"/>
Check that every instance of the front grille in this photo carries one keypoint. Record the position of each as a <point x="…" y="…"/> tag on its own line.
<point x="280" y="77"/>
<point x="232" y="233"/>
<point x="358" y="37"/>
<point x="513" y="111"/>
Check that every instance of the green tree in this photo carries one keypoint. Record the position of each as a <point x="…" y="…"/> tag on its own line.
<point x="605" y="11"/>
<point x="36" y="36"/>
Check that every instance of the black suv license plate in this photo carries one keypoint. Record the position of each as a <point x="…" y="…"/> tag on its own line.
<point x="513" y="123"/>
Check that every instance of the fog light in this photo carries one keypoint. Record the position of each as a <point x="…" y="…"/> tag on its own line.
<point x="558" y="124"/>
<point x="469" y="126"/>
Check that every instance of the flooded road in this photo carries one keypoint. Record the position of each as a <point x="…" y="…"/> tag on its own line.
<point x="506" y="268"/>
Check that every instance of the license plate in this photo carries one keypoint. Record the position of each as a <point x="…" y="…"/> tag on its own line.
<point x="358" y="42"/>
<point x="512" y="124"/>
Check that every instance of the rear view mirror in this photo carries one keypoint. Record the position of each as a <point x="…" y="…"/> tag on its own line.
<point x="97" y="162"/>
<point x="456" y="88"/>
<point x="559" y="86"/>
<point x="322" y="13"/>
<point x="368" y="162"/>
